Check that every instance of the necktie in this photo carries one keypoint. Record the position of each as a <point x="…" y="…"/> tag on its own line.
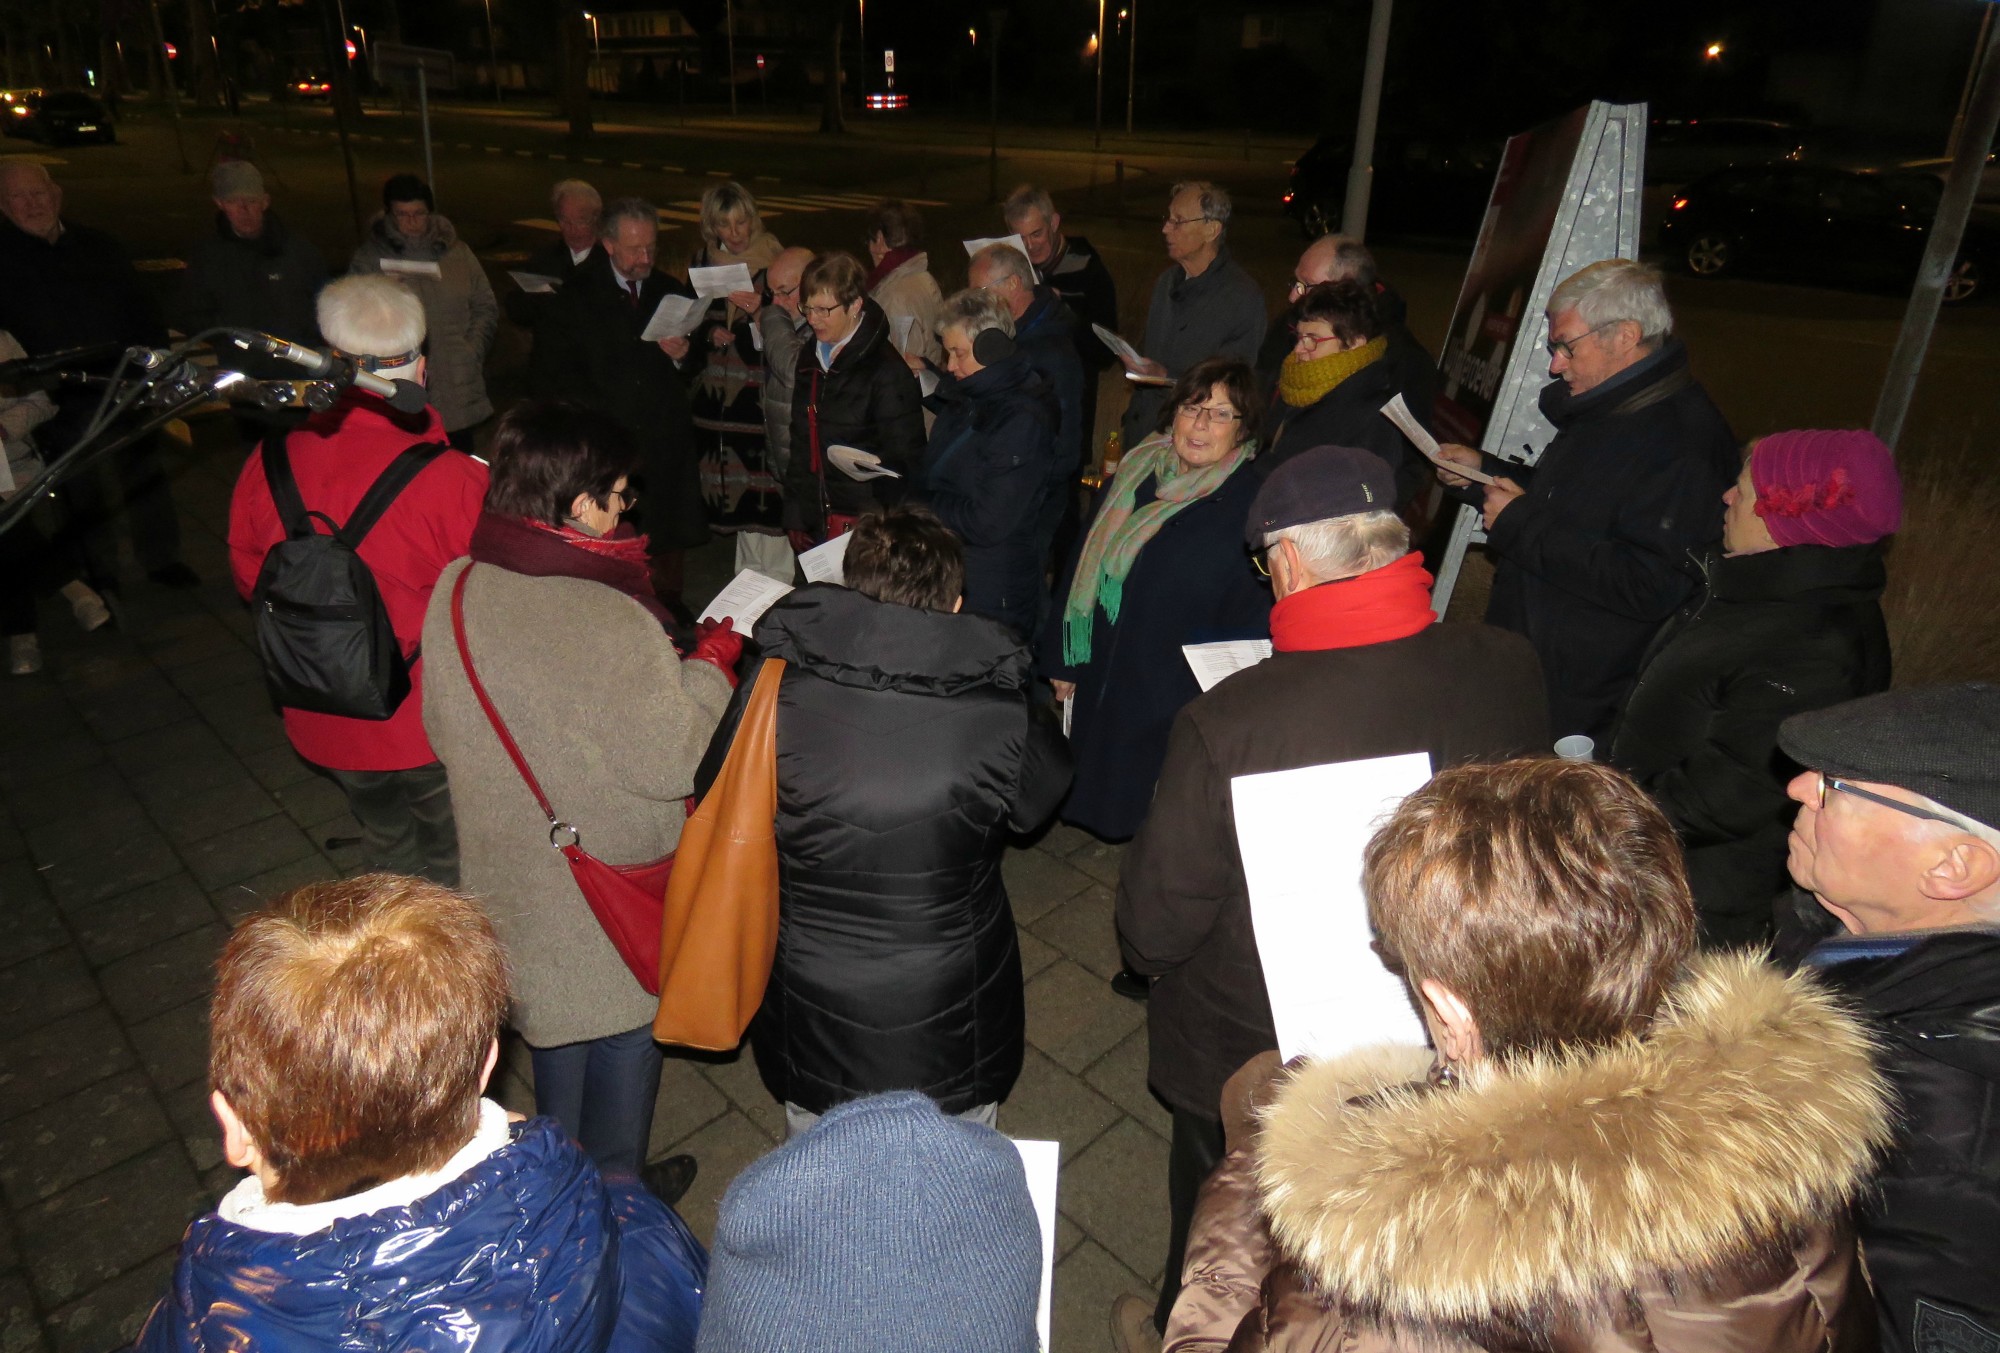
<point x="635" y="294"/>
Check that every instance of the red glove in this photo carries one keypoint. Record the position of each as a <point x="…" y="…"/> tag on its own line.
<point x="717" y="642"/>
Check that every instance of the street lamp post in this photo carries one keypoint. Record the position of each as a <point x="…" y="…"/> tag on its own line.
<point x="493" y="51"/>
<point x="729" y="33"/>
<point x="861" y="45"/>
<point x="1097" y="141"/>
<point x="995" y="17"/>
<point x="1131" y="64"/>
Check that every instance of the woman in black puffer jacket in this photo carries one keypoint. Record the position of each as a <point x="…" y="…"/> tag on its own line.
<point x="909" y="752"/>
<point x="1791" y="620"/>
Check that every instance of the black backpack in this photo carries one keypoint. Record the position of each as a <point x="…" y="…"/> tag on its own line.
<point x="321" y="627"/>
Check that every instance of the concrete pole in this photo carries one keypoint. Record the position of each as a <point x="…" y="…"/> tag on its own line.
<point x="995" y="17"/>
<point x="1961" y="184"/>
<point x="493" y="50"/>
<point x="1361" y="174"/>
<point x="167" y="77"/>
<point x="424" y="116"/>
<point x="1131" y="63"/>
<point x="1097" y="136"/>
<point x="729" y="31"/>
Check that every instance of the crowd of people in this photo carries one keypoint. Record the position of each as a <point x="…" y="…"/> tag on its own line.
<point x="1709" y="996"/>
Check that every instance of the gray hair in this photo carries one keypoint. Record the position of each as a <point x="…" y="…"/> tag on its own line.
<point x="577" y="189"/>
<point x="1333" y="548"/>
<point x="974" y="312"/>
<point x="371" y="315"/>
<point x="1004" y="260"/>
<point x="1616" y="290"/>
<point x="1960" y="824"/>
<point x="720" y="202"/>
<point x="1350" y="261"/>
<point x="1024" y="199"/>
<point x="627" y="209"/>
<point x="1215" y="204"/>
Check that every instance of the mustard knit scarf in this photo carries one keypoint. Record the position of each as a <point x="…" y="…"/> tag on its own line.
<point x="1302" y="383"/>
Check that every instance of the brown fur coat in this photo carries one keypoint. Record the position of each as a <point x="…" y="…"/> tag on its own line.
<point x="1682" y="1191"/>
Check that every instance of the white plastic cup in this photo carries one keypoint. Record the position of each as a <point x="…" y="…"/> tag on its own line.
<point x="1576" y="747"/>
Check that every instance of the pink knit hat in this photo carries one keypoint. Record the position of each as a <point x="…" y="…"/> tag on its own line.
<point x="1827" y="487"/>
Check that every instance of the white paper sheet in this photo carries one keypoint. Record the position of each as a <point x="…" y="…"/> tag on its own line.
<point x="745" y="600"/>
<point x="826" y="563"/>
<point x="534" y="283"/>
<point x="1041" y="1160"/>
<point x="858" y="464"/>
<point x="1397" y="412"/>
<point x="927" y="382"/>
<point x="720" y="281"/>
<point x="7" y="484"/>
<point x="902" y="328"/>
<point x="1301" y="833"/>
<point x="1069" y="713"/>
<point x="1212" y="662"/>
<point x="420" y="267"/>
<point x="1126" y="352"/>
<point x="676" y="317"/>
<point x="972" y="247"/>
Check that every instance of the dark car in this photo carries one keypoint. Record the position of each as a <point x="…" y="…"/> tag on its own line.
<point x="1434" y="187"/>
<point x="1682" y="149"/>
<point x="61" y="118"/>
<point x="1817" y="224"/>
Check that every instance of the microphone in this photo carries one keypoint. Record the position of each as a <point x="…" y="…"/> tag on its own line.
<point x="89" y="354"/>
<point x="338" y="370"/>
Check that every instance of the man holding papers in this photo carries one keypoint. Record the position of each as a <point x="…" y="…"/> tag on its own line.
<point x="1359" y="670"/>
<point x="591" y="351"/>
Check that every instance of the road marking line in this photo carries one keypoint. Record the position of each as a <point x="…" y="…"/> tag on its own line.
<point x="462" y="145"/>
<point x="672" y="169"/>
<point x="159" y="264"/>
<point x="719" y="173"/>
<point x="630" y="164"/>
<point x="593" y="159"/>
<point x="769" y="178"/>
<point x="528" y="154"/>
<point x="491" y="150"/>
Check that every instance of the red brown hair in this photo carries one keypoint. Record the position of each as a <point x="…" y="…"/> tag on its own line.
<point x="350" y="1028"/>
<point x="1549" y="895"/>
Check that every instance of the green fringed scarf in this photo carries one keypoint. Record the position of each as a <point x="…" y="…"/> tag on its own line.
<point x="1119" y="533"/>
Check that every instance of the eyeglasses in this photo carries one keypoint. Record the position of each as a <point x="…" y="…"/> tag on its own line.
<point x="1827" y="782"/>
<point x="627" y="499"/>
<point x="1566" y="348"/>
<point x="1220" y="415"/>
<point x="1179" y="221"/>
<point x="824" y="311"/>
<point x="1261" y="559"/>
<point x="785" y="291"/>
<point x="1311" y="342"/>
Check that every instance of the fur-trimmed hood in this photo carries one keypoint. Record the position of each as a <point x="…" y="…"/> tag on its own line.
<point x="1542" y="1190"/>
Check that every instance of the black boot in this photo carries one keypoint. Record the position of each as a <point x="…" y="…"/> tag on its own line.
<point x="669" y="1179"/>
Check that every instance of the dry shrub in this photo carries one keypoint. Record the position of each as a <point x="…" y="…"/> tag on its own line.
<point x="1943" y="599"/>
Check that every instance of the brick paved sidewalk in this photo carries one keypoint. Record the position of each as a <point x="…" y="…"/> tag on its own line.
<point x="148" y="798"/>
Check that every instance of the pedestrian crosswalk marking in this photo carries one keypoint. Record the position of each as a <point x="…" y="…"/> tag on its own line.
<point x="687" y="210"/>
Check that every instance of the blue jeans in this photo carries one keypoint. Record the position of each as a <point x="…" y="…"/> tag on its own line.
<point x="602" y="1091"/>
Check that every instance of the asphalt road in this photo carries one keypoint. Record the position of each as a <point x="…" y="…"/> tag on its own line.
<point x="1774" y="355"/>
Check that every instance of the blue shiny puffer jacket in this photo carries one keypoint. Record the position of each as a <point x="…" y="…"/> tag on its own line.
<point x="529" y="1251"/>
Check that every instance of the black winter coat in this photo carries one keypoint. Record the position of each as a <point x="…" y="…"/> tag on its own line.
<point x="1090" y="294"/>
<point x="1460" y="692"/>
<point x="908" y="752"/>
<point x="1410" y="362"/>
<point x="1930" y="1229"/>
<point x="1773" y="635"/>
<point x="529" y="308"/>
<point x="869" y="401"/>
<point x="1350" y="414"/>
<point x="987" y="474"/>
<point x="1191" y="584"/>
<point x="1045" y="336"/>
<point x="1601" y="549"/>
<point x="588" y="349"/>
<point x="270" y="284"/>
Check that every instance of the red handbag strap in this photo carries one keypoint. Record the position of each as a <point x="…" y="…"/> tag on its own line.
<point x="485" y="702"/>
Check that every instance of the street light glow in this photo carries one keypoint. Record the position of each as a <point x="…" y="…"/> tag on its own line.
<point x="1712" y="51"/>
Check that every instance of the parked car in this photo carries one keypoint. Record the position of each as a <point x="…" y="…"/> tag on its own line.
<point x="1434" y="187"/>
<point x="1814" y="223"/>
<point x="1989" y="177"/>
<point x="311" y="87"/>
<point x="1679" y="150"/>
<point x="61" y="118"/>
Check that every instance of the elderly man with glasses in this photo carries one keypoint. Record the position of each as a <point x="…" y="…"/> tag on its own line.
<point x="1897" y="861"/>
<point x="1594" y="546"/>
<point x="1204" y="305"/>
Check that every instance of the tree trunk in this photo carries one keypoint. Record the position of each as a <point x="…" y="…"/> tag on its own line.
<point x="832" y="117"/>
<point x="575" y="50"/>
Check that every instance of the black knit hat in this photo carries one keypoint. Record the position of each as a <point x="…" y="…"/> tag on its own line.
<point x="1942" y="742"/>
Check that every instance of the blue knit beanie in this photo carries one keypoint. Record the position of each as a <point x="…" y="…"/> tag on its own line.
<point x="887" y="1227"/>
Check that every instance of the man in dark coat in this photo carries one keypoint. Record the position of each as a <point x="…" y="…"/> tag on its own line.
<point x="64" y="286"/>
<point x="987" y="469"/>
<point x="1070" y="267"/>
<point x="1341" y="258"/>
<point x="910" y="750"/>
<point x="1897" y="857"/>
<point x="590" y="351"/>
<point x="1359" y="670"/>
<point x="579" y="213"/>
<point x="1045" y="335"/>
<point x="1204" y="305"/>
<point x="251" y="272"/>
<point x="1594" y="545"/>
<point x="851" y="389"/>
<point x="1788" y="622"/>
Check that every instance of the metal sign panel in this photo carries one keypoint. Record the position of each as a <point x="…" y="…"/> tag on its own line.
<point x="396" y="61"/>
<point x="1566" y="195"/>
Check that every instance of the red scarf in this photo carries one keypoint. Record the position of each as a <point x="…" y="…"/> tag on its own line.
<point x="891" y="261"/>
<point x="543" y="551"/>
<point x="1374" y="608"/>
